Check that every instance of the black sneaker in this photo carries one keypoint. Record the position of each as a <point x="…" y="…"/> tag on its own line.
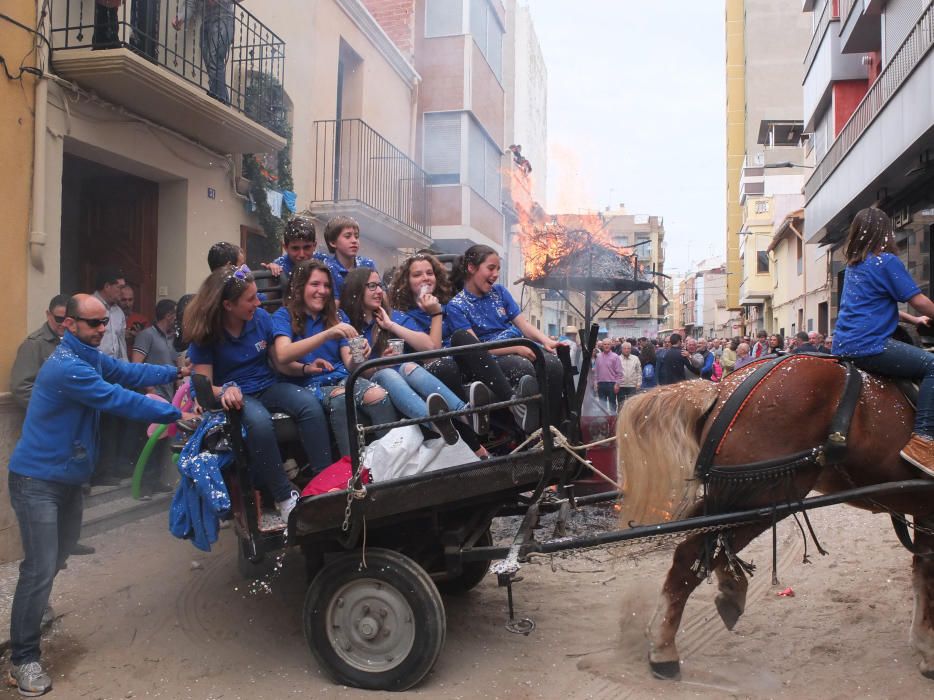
<point x="480" y="395"/>
<point x="81" y="549"/>
<point x="526" y="414"/>
<point x="436" y="404"/>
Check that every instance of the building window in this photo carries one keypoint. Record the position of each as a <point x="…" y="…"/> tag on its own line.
<point x="800" y="255"/>
<point x="483" y="170"/>
<point x="762" y="206"/>
<point x="442" y="147"/>
<point x="762" y="263"/>
<point x="444" y="17"/>
<point x="487" y="32"/>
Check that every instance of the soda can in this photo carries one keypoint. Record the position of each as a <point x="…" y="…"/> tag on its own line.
<point x="357" y="346"/>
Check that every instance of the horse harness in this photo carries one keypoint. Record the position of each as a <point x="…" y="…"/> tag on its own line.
<point x="724" y="486"/>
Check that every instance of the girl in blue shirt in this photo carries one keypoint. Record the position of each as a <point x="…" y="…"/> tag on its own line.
<point x="309" y="330"/>
<point x="412" y="390"/>
<point x="487" y="310"/>
<point x="875" y="283"/>
<point x="230" y="337"/>
<point x="418" y="295"/>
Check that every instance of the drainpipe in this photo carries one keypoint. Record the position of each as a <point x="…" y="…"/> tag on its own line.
<point x="37" y="234"/>
<point x="804" y="266"/>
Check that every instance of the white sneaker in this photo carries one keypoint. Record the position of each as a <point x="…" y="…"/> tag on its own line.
<point x="30" y="679"/>
<point x="287" y="506"/>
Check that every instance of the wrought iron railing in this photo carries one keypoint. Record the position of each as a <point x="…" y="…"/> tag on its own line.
<point x="354" y="163"/>
<point x="216" y="45"/>
<point x="896" y="72"/>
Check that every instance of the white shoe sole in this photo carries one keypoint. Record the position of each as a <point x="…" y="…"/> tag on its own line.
<point x="914" y="463"/>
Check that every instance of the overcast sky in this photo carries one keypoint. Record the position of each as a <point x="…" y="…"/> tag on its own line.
<point x="636" y="114"/>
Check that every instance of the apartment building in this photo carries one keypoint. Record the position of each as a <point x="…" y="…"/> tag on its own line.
<point x="766" y="40"/>
<point x="867" y="102"/>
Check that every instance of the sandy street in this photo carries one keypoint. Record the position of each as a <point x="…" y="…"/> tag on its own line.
<point x="149" y="616"/>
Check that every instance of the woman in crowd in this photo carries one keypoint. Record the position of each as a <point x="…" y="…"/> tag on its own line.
<point x="777" y="344"/>
<point x="875" y="283"/>
<point x="412" y="389"/>
<point x="728" y="358"/>
<point x="487" y="310"/>
<point x="230" y="336"/>
<point x="309" y="331"/>
<point x="647" y="357"/>
<point x="418" y="295"/>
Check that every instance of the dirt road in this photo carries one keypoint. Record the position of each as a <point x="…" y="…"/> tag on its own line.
<point x="149" y="616"/>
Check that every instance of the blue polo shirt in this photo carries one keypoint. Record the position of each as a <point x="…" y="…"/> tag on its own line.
<point x="330" y="351"/>
<point x="868" y="314"/>
<point x="339" y="272"/>
<point x="420" y="321"/>
<point x="285" y="262"/>
<point x="242" y="359"/>
<point x="489" y="317"/>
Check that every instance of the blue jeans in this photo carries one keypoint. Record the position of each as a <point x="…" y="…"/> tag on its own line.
<point x="905" y="361"/>
<point x="375" y="410"/>
<point x="49" y="516"/>
<point x="409" y="386"/>
<point x="265" y="459"/>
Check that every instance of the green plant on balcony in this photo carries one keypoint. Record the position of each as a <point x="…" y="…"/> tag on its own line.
<point x="264" y="104"/>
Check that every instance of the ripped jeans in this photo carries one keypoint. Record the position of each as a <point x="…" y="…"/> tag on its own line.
<point x="408" y="387"/>
<point x="369" y="398"/>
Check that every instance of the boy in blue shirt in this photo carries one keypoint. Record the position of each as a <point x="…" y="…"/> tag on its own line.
<point x="298" y="245"/>
<point x="342" y="237"/>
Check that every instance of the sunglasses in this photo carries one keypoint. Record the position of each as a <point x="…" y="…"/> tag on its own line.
<point x="58" y="319"/>
<point x="94" y="322"/>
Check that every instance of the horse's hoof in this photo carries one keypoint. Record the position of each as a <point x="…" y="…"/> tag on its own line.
<point x="729" y="611"/>
<point x="666" y="670"/>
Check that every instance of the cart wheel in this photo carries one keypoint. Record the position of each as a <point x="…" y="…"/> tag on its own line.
<point x="472" y="572"/>
<point x="378" y="628"/>
<point x="249" y="570"/>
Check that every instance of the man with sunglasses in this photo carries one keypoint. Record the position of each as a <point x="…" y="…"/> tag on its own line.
<point x="56" y="455"/>
<point x="36" y="349"/>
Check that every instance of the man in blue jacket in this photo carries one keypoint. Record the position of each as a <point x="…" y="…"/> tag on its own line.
<point x="56" y="454"/>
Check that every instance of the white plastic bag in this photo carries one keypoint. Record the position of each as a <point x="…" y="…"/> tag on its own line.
<point x="403" y="452"/>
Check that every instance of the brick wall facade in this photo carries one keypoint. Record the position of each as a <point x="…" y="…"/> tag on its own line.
<point x="397" y="18"/>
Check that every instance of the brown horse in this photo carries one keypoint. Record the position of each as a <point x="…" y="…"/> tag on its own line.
<point x="659" y="436"/>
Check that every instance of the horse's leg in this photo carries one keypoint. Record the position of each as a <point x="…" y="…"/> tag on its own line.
<point x="680" y="582"/>
<point x="922" y="624"/>
<point x="731" y="600"/>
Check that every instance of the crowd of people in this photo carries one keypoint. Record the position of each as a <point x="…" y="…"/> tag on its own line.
<point x="621" y="367"/>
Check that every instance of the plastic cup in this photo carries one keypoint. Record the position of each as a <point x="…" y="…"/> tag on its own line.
<point x="397" y="345"/>
<point x="357" y="346"/>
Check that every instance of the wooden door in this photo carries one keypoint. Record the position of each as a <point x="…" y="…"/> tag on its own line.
<point x="119" y="223"/>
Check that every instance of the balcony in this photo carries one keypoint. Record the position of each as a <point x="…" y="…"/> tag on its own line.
<point x="230" y="100"/>
<point x="880" y="142"/>
<point x="860" y="27"/>
<point x="359" y="173"/>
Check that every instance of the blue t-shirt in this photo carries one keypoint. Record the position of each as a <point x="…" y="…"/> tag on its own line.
<point x="489" y="317"/>
<point x="339" y="272"/>
<point x="285" y="262"/>
<point x="242" y="359"/>
<point x="330" y="350"/>
<point x="420" y="321"/>
<point x="868" y="315"/>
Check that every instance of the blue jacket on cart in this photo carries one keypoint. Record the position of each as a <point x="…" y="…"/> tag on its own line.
<point x="78" y="382"/>
<point x="201" y="498"/>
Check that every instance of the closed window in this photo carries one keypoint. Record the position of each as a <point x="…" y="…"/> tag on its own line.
<point x="442" y="158"/>
<point x="484" y="167"/>
<point x="444" y="17"/>
<point x="487" y="32"/>
<point x="762" y="262"/>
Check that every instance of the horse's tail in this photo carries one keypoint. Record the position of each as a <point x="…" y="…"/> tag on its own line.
<point x="657" y="445"/>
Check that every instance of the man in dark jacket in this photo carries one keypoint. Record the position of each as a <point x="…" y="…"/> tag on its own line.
<point x="55" y="455"/>
<point x="803" y="343"/>
<point x="36" y="349"/>
<point x="671" y="368"/>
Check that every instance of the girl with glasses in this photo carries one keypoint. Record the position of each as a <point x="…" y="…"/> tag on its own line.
<point x="309" y="330"/>
<point x="230" y="336"/>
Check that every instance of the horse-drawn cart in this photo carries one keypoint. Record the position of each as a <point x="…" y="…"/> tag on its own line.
<point x="380" y="555"/>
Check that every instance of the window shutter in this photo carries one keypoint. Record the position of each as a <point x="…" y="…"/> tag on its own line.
<point x="443" y="143"/>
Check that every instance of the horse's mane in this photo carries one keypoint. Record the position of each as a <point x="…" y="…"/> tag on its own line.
<point x="657" y="443"/>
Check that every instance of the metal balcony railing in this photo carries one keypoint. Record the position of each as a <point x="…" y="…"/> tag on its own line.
<point x="216" y="45"/>
<point x="846" y="7"/>
<point x="908" y="56"/>
<point x="826" y="17"/>
<point x="354" y="163"/>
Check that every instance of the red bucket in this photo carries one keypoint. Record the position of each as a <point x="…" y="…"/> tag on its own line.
<point x="603" y="458"/>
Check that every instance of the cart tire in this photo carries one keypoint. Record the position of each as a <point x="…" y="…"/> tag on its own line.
<point x="472" y="573"/>
<point x="378" y="628"/>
